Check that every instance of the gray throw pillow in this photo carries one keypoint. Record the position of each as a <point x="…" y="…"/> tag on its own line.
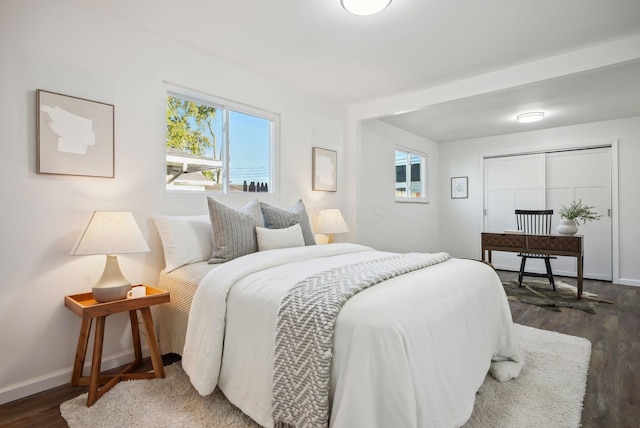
<point x="277" y="218"/>
<point x="234" y="231"/>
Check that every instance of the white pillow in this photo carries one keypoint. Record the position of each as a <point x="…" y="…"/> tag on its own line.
<point x="272" y="239"/>
<point x="185" y="239"/>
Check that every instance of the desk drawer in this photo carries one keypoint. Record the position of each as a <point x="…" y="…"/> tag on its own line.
<point x="503" y="240"/>
<point x="554" y="243"/>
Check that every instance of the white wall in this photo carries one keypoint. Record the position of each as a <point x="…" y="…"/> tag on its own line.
<point x="381" y="222"/>
<point x="462" y="220"/>
<point x="61" y="47"/>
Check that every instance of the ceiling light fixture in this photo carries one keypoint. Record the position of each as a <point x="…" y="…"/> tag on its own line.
<point x="533" y="116"/>
<point x="365" y="7"/>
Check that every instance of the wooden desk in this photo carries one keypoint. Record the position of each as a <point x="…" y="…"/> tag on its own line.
<point x="553" y="245"/>
<point x="87" y="308"/>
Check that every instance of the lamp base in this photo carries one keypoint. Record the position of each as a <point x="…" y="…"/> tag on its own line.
<point x="109" y="294"/>
<point x="112" y="285"/>
<point x="324" y="238"/>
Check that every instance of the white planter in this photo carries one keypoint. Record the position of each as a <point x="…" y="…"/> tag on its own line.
<point x="567" y="227"/>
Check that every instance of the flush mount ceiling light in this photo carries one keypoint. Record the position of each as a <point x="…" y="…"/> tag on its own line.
<point x="533" y="116"/>
<point x="365" y="7"/>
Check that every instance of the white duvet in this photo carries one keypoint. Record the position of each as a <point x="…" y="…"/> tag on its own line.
<point x="409" y="352"/>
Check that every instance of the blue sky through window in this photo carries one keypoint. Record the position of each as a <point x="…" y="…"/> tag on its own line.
<point x="249" y="151"/>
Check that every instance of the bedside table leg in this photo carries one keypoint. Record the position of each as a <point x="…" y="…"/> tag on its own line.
<point x="135" y="334"/>
<point x="83" y="341"/>
<point x="152" y="342"/>
<point x="94" y="381"/>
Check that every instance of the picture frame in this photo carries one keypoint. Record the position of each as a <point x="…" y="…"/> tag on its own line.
<point x="74" y="136"/>
<point x="324" y="170"/>
<point x="459" y="187"/>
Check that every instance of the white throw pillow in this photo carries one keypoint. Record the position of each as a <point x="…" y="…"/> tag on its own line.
<point x="272" y="239"/>
<point x="185" y="239"/>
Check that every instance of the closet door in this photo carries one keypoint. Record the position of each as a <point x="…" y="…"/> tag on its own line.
<point x="513" y="182"/>
<point x="586" y="175"/>
<point x="548" y="181"/>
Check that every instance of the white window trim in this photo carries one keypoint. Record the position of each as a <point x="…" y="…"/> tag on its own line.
<point x="423" y="176"/>
<point x="225" y="105"/>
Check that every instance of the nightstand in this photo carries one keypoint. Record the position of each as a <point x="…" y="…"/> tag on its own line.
<point x="87" y="308"/>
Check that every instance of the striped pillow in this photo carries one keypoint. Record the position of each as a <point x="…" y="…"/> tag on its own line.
<point x="277" y="218"/>
<point x="234" y="231"/>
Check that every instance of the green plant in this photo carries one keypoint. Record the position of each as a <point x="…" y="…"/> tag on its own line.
<point x="578" y="211"/>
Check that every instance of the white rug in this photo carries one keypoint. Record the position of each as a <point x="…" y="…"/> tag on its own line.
<point x="548" y="393"/>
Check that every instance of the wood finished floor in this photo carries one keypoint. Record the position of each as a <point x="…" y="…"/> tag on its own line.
<point x="613" y="386"/>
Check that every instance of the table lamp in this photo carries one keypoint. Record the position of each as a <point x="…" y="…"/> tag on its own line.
<point x="329" y="222"/>
<point x="111" y="233"/>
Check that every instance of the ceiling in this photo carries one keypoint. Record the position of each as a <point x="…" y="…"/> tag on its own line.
<point x="603" y="94"/>
<point x="319" y="48"/>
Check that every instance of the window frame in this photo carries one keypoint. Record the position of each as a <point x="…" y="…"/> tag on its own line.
<point x="225" y="106"/>
<point x="424" y="162"/>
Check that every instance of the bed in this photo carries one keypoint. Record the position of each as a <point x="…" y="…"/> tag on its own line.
<point x="410" y="351"/>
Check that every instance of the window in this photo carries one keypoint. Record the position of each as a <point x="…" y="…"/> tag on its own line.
<point x="219" y="146"/>
<point x="411" y="174"/>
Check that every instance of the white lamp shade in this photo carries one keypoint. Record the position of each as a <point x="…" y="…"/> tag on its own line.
<point x="365" y="7"/>
<point x="331" y="221"/>
<point x="110" y="232"/>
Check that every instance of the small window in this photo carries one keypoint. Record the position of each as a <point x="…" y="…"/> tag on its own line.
<point x="411" y="173"/>
<point x="219" y="146"/>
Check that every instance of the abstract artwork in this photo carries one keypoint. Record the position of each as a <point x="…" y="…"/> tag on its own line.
<point x="459" y="187"/>
<point x="324" y="166"/>
<point x="74" y="136"/>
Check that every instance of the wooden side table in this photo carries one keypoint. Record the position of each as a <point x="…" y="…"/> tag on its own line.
<point x="86" y="307"/>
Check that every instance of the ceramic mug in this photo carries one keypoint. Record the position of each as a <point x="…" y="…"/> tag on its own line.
<point x="139" y="291"/>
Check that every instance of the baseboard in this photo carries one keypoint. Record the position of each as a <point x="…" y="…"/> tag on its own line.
<point x="504" y="267"/>
<point x="568" y="274"/>
<point x="60" y="377"/>
<point x="632" y="282"/>
<point x="510" y="268"/>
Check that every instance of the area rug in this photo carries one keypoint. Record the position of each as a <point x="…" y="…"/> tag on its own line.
<point x="548" y="393"/>
<point x="541" y="294"/>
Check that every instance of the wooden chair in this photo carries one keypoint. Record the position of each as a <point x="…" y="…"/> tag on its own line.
<point x="535" y="222"/>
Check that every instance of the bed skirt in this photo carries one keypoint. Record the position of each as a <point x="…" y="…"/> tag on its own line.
<point x="174" y="316"/>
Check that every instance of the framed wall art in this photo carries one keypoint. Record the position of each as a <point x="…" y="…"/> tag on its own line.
<point x="74" y="136"/>
<point x="459" y="187"/>
<point x="324" y="167"/>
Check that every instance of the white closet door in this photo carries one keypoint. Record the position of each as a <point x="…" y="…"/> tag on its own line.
<point x="586" y="175"/>
<point x="548" y="181"/>
<point x="514" y="182"/>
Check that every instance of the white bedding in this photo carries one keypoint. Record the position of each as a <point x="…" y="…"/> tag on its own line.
<point x="409" y="352"/>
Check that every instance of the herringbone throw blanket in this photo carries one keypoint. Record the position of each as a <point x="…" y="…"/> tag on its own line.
<point x="304" y="335"/>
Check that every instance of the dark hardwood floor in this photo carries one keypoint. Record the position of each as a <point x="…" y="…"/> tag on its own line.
<point x="613" y="385"/>
<point x="42" y="410"/>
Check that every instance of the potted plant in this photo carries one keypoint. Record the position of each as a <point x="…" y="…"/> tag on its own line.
<point x="571" y="216"/>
